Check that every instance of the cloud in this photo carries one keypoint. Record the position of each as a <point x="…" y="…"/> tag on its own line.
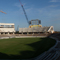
<point x="17" y="5"/>
<point x="49" y="12"/>
<point x="54" y="0"/>
<point x="53" y="6"/>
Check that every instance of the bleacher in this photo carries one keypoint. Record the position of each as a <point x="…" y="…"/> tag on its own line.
<point x="7" y="30"/>
<point x="48" y="56"/>
<point x="36" y="29"/>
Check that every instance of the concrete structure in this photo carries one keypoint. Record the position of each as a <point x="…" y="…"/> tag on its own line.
<point x="7" y="28"/>
<point x="36" y="30"/>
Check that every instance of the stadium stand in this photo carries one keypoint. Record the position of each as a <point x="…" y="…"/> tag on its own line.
<point x="36" y="30"/>
<point x="52" y="55"/>
<point x="7" y="28"/>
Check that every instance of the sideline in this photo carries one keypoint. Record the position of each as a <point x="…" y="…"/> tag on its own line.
<point x="28" y="36"/>
<point x="22" y="37"/>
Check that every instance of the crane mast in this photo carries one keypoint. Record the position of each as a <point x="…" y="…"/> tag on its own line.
<point x="24" y="12"/>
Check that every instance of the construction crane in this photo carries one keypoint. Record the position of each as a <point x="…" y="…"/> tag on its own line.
<point x="24" y="12"/>
<point x="32" y="23"/>
<point x="3" y="12"/>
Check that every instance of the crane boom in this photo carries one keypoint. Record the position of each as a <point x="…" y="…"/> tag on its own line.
<point x="24" y="12"/>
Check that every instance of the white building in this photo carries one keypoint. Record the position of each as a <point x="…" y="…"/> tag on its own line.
<point x="7" y="28"/>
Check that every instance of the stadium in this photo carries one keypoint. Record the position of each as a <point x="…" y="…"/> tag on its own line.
<point x="36" y="42"/>
<point x="30" y="43"/>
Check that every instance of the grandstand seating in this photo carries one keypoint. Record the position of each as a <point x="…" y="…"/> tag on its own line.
<point x="25" y="29"/>
<point x="7" y="30"/>
<point x="30" y="30"/>
<point x="36" y="29"/>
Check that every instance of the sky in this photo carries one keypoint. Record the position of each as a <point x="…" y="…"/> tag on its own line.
<point x="48" y="11"/>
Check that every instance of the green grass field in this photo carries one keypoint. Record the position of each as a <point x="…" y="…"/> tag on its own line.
<point x="24" y="48"/>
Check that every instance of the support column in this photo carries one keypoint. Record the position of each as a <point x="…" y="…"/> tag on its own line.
<point x="33" y="33"/>
<point x="0" y="33"/>
<point x="8" y="33"/>
<point x="27" y="33"/>
<point x="22" y="33"/>
<point x="13" y="32"/>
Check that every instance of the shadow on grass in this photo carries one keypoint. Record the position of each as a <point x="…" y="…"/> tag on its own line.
<point x="39" y="47"/>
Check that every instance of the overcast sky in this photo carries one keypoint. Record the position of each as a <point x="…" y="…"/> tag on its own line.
<point x="48" y="11"/>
